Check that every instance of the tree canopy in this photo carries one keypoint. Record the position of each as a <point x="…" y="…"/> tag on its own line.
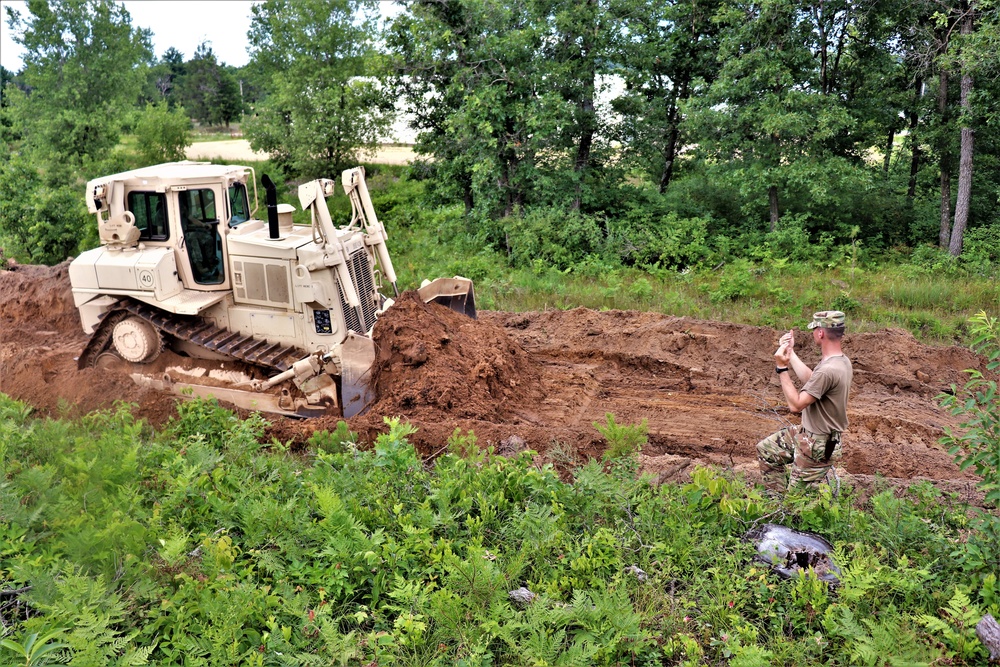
<point x="592" y="123"/>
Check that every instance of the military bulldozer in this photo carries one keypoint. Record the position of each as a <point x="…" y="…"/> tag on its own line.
<point x="185" y="266"/>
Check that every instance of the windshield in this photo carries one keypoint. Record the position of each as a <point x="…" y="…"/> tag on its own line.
<point x="238" y="204"/>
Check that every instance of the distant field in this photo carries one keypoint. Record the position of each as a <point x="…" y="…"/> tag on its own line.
<point x="239" y="149"/>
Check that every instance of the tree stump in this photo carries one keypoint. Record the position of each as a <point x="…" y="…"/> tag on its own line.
<point x="988" y="631"/>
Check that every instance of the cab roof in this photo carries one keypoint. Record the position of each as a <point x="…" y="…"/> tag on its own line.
<point x="171" y="173"/>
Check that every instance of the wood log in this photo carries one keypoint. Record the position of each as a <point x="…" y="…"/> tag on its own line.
<point x="988" y="631"/>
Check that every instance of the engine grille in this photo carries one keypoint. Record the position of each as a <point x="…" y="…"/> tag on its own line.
<point x="360" y="267"/>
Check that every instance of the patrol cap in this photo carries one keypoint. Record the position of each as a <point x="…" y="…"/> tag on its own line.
<point x="827" y="319"/>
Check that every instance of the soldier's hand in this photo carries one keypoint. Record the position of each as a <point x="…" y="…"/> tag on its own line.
<point x="783" y="355"/>
<point x="788" y="339"/>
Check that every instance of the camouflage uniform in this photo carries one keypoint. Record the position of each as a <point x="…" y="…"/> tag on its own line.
<point x="805" y="451"/>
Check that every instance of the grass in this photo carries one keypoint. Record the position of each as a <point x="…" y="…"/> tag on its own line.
<point x="238" y="551"/>
<point x="934" y="310"/>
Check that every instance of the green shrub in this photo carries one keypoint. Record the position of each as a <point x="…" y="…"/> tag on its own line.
<point x="977" y="445"/>
<point x="624" y="440"/>
<point x="162" y="133"/>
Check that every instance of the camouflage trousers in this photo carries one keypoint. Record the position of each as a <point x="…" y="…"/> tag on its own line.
<point x="805" y="451"/>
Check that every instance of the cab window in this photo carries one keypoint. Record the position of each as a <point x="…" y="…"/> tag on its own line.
<point x="150" y="211"/>
<point x="198" y="205"/>
<point x="238" y="204"/>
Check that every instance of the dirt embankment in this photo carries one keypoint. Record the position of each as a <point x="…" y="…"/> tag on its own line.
<point x="540" y="380"/>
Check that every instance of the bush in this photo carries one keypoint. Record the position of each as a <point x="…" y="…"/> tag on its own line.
<point x="552" y="236"/>
<point x="981" y="250"/>
<point x="977" y="446"/>
<point x="648" y="238"/>
<point x="42" y="221"/>
<point x="162" y="133"/>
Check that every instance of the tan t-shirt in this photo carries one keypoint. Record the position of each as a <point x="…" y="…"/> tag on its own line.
<point x="830" y="384"/>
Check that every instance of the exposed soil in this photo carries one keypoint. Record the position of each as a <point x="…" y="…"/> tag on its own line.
<point x="540" y="380"/>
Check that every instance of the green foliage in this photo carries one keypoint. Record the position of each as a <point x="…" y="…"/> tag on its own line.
<point x="162" y="133"/>
<point x="321" y="107"/>
<point x="199" y="545"/>
<point x="83" y="65"/>
<point x="208" y="90"/>
<point x="624" y="440"/>
<point x="341" y="440"/>
<point x="41" y="218"/>
<point x="33" y="650"/>
<point x="957" y="628"/>
<point x="977" y="446"/>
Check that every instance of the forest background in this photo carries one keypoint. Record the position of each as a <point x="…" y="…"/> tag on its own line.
<point x="749" y="161"/>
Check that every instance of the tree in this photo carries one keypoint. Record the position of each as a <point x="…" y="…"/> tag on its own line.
<point x="321" y="105"/>
<point x="803" y="92"/>
<point x="208" y="89"/>
<point x="162" y="133"/>
<point x="84" y="67"/>
<point x="665" y="52"/>
<point x="962" y="40"/>
<point x="769" y="112"/>
<point x="968" y="133"/>
<point x="166" y="77"/>
<point x="503" y="97"/>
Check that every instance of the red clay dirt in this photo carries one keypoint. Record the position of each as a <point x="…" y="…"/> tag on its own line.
<point x="540" y="380"/>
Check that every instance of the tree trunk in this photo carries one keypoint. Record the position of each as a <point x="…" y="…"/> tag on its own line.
<point x="888" y="150"/>
<point x="588" y="117"/>
<point x="965" y="152"/>
<point x="911" y="189"/>
<point x="669" y="155"/>
<point x="944" y="237"/>
<point x="772" y="196"/>
<point x="586" y="142"/>
<point x="467" y="197"/>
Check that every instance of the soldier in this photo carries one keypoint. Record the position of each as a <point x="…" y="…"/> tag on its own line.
<point x="813" y="447"/>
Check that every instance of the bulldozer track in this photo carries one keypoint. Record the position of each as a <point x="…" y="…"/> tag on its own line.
<point x="269" y="356"/>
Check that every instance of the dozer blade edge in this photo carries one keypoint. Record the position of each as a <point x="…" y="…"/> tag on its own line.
<point x="282" y="404"/>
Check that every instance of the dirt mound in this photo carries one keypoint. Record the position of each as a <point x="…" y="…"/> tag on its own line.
<point x="433" y="361"/>
<point x="40" y="338"/>
<point x="541" y="380"/>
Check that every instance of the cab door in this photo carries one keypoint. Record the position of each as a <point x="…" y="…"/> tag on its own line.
<point x="199" y="212"/>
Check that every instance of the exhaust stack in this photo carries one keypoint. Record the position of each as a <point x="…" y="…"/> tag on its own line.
<point x="271" y="197"/>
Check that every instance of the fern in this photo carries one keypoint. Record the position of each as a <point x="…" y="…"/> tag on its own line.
<point x="873" y="643"/>
<point x="957" y="627"/>
<point x="97" y="615"/>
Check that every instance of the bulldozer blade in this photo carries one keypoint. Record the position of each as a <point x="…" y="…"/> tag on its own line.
<point x="456" y="293"/>
<point x="357" y="356"/>
<point x="248" y="400"/>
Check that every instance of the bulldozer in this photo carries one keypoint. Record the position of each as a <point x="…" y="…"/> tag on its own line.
<point x="184" y="265"/>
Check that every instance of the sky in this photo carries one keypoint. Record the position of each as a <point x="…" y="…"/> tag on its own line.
<point x="182" y="25"/>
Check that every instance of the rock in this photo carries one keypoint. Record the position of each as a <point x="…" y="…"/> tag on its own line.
<point x="415" y="355"/>
<point x="521" y="596"/>
<point x="988" y="631"/>
<point x="789" y="551"/>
